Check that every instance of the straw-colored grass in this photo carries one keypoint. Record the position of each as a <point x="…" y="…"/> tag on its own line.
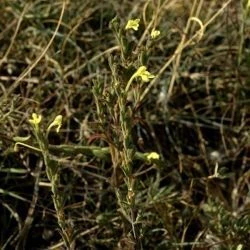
<point x="153" y="149"/>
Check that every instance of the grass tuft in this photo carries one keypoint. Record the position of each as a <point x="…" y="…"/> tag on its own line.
<point x="124" y="124"/>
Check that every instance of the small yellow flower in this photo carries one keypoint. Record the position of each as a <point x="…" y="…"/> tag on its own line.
<point x="56" y="123"/>
<point x="155" y="33"/>
<point x="132" y="24"/>
<point x="141" y="72"/>
<point x="153" y="156"/>
<point x="36" y="119"/>
<point x="144" y="74"/>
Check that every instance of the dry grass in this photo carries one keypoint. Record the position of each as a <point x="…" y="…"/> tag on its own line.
<point x="195" y="114"/>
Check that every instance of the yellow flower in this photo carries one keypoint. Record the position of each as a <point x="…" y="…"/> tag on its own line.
<point x="132" y="24"/>
<point x="141" y="72"/>
<point x="155" y="33"/>
<point x="153" y="156"/>
<point x="144" y="74"/>
<point x="56" y="123"/>
<point x="36" y="119"/>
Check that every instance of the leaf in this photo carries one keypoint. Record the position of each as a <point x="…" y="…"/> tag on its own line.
<point x="21" y="138"/>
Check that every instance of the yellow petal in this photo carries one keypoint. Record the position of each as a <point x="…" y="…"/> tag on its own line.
<point x="36" y="119"/>
<point x="153" y="156"/>
<point x="155" y="33"/>
<point x="132" y="24"/>
<point x="144" y="74"/>
<point x="56" y="123"/>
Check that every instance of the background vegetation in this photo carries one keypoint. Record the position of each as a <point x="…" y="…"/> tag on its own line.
<point x="61" y="58"/>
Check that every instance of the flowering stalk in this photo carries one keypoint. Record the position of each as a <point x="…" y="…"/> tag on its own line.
<point x="116" y="111"/>
<point x="51" y="171"/>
